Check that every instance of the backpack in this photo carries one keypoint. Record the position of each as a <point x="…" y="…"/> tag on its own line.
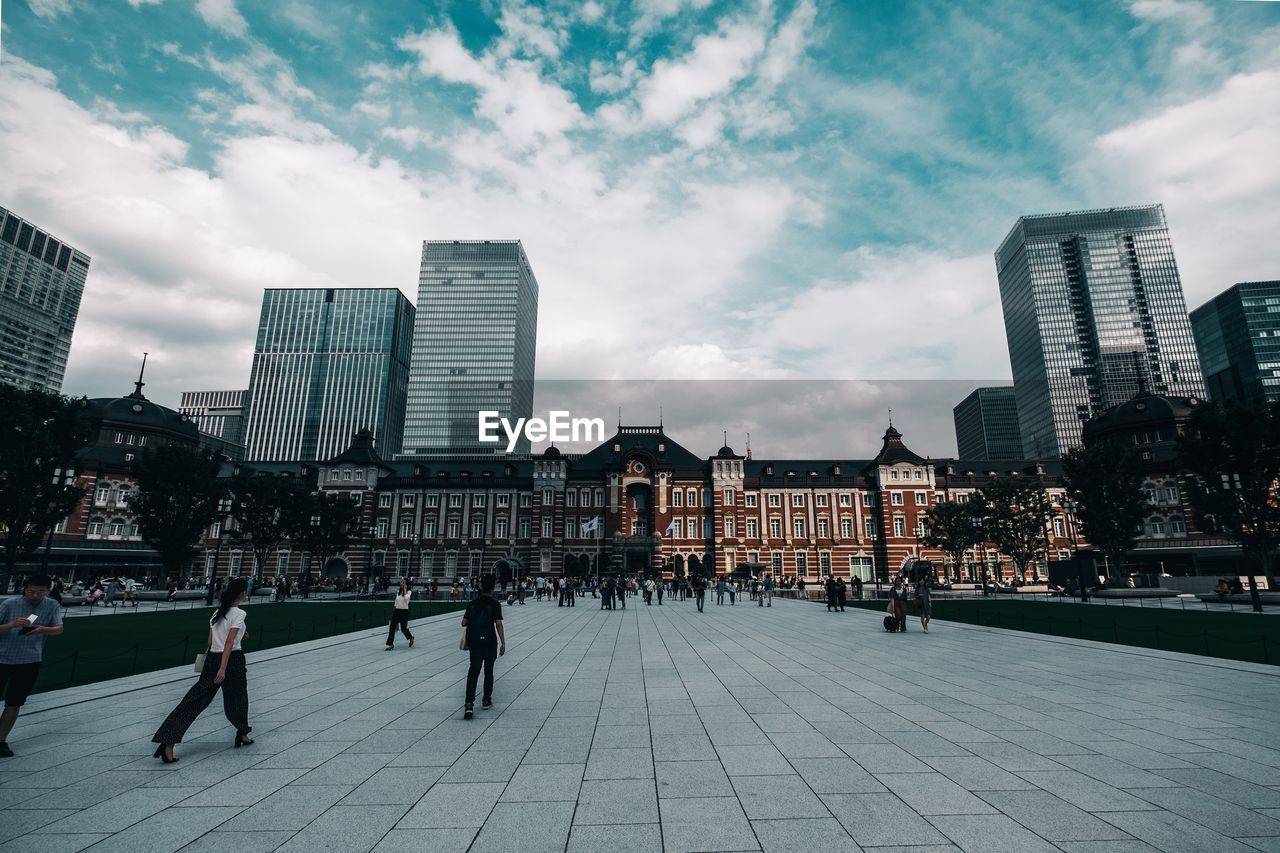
<point x="480" y="622"/>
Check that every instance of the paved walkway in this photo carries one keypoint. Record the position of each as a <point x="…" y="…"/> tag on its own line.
<point x="785" y="728"/>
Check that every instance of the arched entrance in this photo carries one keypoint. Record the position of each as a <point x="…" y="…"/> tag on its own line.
<point x="677" y="565"/>
<point x="506" y="570"/>
<point x="336" y="567"/>
<point x="695" y="565"/>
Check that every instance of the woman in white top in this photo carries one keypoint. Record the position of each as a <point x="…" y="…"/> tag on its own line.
<point x="400" y="615"/>
<point x="224" y="668"/>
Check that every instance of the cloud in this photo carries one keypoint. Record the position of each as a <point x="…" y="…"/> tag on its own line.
<point x="223" y="16"/>
<point x="713" y="65"/>
<point x="49" y="9"/>
<point x="1212" y="162"/>
<point x="138" y="4"/>
<point x="1191" y="13"/>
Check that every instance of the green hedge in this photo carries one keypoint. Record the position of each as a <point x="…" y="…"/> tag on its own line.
<point x="1235" y="636"/>
<point x="91" y="650"/>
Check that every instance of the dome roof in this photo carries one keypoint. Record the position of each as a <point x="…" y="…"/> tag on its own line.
<point x="551" y="452"/>
<point x="726" y="452"/>
<point x="1143" y="410"/>
<point x="136" y="412"/>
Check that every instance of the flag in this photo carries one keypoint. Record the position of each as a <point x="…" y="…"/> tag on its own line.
<point x="589" y="525"/>
<point x="670" y="527"/>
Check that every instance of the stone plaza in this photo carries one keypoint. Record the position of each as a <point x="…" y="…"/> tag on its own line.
<point x="659" y="728"/>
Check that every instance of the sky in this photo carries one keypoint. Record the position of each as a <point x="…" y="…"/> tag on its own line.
<point x="790" y="190"/>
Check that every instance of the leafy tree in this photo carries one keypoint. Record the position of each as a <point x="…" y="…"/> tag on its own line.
<point x="1232" y="458"/>
<point x="178" y="495"/>
<point x="1105" y="479"/>
<point x="262" y="506"/>
<point x="1016" y="510"/>
<point x="954" y="528"/>
<point x="322" y="524"/>
<point x="40" y="433"/>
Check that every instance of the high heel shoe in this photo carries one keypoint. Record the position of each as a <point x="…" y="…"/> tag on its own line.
<point x="159" y="753"/>
<point x="243" y="740"/>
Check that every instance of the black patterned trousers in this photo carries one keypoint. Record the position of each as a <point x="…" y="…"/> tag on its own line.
<point x="235" y="699"/>
<point x="399" y="618"/>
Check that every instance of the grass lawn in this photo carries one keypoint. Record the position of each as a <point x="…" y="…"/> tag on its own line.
<point x="92" y="650"/>
<point x="1236" y="636"/>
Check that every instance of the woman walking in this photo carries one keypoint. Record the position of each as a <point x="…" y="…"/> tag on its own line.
<point x="224" y="668"/>
<point x="924" y="603"/>
<point x="898" y="600"/>
<point x="400" y="615"/>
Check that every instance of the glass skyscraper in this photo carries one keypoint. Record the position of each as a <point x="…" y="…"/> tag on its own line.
<point x="473" y="344"/>
<point x="1094" y="313"/>
<point x="987" y="425"/>
<point x="1238" y="337"/>
<point x="327" y="363"/>
<point x="41" y="282"/>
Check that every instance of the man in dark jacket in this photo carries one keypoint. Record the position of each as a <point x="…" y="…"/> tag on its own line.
<point x="486" y="640"/>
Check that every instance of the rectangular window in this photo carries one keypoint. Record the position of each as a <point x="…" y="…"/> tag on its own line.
<point x="895" y="498"/>
<point x="477" y="528"/>
<point x="548" y="497"/>
<point x="282" y="562"/>
<point x="846" y="499"/>
<point x="846" y="527"/>
<point x="408" y="500"/>
<point x="346" y="475"/>
<point x="215" y="530"/>
<point x="797" y="527"/>
<point x="429" y="528"/>
<point x="384" y="501"/>
<point x="692" y="495"/>
<point x="802" y="564"/>
<point x="899" y="526"/>
<point x="546" y="527"/>
<point x="677" y="528"/>
<point x="1171" y="495"/>
<point x="478" y="500"/>
<point x="820" y="500"/>
<point x="502" y="525"/>
<point x="753" y="529"/>
<point x="455" y="501"/>
<point x="728" y="526"/>
<point x="775" y="559"/>
<point x="455" y="528"/>
<point x="504" y="501"/>
<point x="333" y="476"/>
<point x="526" y="499"/>
<point x="706" y="528"/>
<point x="797" y="499"/>
<point x="866" y="499"/>
<point x="402" y="563"/>
<point x="824" y="528"/>
<point x="526" y="528"/>
<point x="869" y="528"/>
<point x="1057" y="527"/>
<point x="677" y="497"/>
<point x="571" y="498"/>
<point x="382" y="528"/>
<point x="752" y="500"/>
<point x="433" y="501"/>
<point x="775" y="500"/>
<point x="775" y="528"/>
<point x="728" y="497"/>
<point x="824" y="562"/>
<point x="922" y="498"/>
<point x="451" y="563"/>
<point x="893" y="475"/>
<point x="406" y="528"/>
<point x="236" y="557"/>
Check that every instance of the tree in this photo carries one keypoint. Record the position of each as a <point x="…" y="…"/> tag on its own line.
<point x="178" y="495"/>
<point x="1105" y="479"/>
<point x="41" y="432"/>
<point x="322" y="524"/>
<point x="953" y="528"/>
<point x="261" y="505"/>
<point x="1016" y="510"/>
<point x="1231" y="455"/>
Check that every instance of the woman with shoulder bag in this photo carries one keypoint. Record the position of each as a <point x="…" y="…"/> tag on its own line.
<point x="400" y="615"/>
<point x="223" y="669"/>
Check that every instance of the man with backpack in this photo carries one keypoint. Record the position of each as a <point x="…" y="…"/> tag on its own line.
<point x="486" y="639"/>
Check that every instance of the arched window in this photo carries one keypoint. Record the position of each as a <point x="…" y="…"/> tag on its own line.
<point x="95" y="525"/>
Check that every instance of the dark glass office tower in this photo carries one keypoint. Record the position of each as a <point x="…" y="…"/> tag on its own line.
<point x="473" y="345"/>
<point x="1238" y="338"/>
<point x="41" y="282"/>
<point x="987" y="425"/>
<point x="328" y="363"/>
<point x="1094" y="313"/>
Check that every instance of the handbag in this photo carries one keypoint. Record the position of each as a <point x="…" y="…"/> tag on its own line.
<point x="200" y="661"/>
<point x="462" y="644"/>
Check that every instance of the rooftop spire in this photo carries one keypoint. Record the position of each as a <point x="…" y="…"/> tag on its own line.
<point x="137" y="386"/>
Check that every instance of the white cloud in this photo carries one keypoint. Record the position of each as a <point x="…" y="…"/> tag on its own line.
<point x="138" y="4"/>
<point x="49" y="9"/>
<point x="1191" y="13"/>
<point x="714" y="64"/>
<point x="1212" y="162"/>
<point x="222" y="15"/>
<point x="613" y="78"/>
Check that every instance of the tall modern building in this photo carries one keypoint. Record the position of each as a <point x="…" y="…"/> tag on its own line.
<point x="1094" y="313"/>
<point x="987" y="425"/>
<point x="473" y="344"/>
<point x="41" y="282"/>
<point x="219" y="415"/>
<point x="1238" y="338"/>
<point x="328" y="363"/>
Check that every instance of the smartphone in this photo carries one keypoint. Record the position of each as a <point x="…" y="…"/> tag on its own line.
<point x="31" y="620"/>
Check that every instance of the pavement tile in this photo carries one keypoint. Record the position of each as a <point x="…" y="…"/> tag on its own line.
<point x="435" y="840"/>
<point x="789" y="834"/>
<point x="1052" y="818"/>
<point x="875" y="820"/>
<point x="625" y="763"/>
<point x="620" y="838"/>
<point x="1173" y="833"/>
<point x="994" y="833"/>
<point x="542" y="783"/>
<point x="836" y="776"/>
<point x="394" y="786"/>
<point x="291" y="807"/>
<point x="695" y="824"/>
<point x="764" y="797"/>
<point x="617" y="801"/>
<point x="525" y="827"/>
<point x="453" y="806"/>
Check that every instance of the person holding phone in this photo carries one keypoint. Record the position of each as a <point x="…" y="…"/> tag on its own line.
<point x="224" y="668"/>
<point x="24" y="623"/>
